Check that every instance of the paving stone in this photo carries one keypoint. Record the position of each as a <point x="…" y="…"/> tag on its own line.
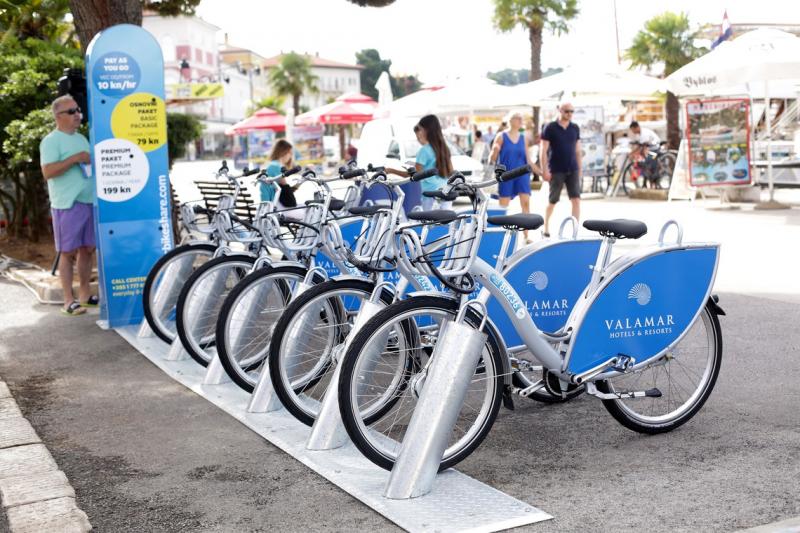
<point x="9" y="408"/>
<point x="25" y="460"/>
<point x="22" y="490"/>
<point x="4" y="392"/>
<point x="16" y="431"/>
<point x="52" y="516"/>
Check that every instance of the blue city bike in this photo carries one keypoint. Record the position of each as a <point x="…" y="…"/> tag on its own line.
<point x="309" y="337"/>
<point x="643" y="337"/>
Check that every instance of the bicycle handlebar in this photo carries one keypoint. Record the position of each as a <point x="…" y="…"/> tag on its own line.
<point x="286" y="172"/>
<point x="424" y="174"/>
<point x="350" y="174"/>
<point x="513" y="173"/>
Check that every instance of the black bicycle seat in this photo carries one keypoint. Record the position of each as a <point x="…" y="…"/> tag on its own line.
<point x="620" y="228"/>
<point x="335" y="204"/>
<point x="440" y="216"/>
<point x="519" y="221"/>
<point x="365" y="210"/>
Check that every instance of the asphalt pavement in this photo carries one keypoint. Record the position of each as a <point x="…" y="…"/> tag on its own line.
<point x="145" y="454"/>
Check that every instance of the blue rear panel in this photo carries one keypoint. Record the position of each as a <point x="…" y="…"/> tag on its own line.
<point x="645" y="308"/>
<point x="549" y="282"/>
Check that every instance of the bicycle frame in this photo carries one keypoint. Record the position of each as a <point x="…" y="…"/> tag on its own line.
<point x="581" y="355"/>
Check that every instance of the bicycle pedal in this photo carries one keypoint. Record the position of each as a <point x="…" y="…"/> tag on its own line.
<point x="624" y="362"/>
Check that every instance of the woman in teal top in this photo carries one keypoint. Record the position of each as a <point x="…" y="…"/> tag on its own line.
<point x="434" y="153"/>
<point x="281" y="157"/>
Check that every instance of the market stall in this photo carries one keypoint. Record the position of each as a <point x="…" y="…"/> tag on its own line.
<point x="749" y="66"/>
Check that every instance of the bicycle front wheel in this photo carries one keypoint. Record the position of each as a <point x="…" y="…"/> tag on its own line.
<point x="307" y="338"/>
<point x="665" y="166"/>
<point x="685" y="376"/>
<point x="200" y="301"/>
<point x="247" y="320"/>
<point x="164" y="283"/>
<point x="375" y="374"/>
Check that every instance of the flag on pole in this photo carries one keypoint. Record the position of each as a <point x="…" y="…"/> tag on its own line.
<point x="725" y="31"/>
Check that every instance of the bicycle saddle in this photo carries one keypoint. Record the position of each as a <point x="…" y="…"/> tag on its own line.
<point x="335" y="204"/>
<point x="440" y="216"/>
<point x="518" y="221"/>
<point x="365" y="210"/>
<point x="619" y="228"/>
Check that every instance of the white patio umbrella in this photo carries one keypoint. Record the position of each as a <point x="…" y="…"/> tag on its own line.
<point x="385" y="96"/>
<point x="586" y="83"/>
<point x="757" y="57"/>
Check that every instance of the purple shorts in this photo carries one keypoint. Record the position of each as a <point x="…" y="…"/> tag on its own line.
<point x="73" y="227"/>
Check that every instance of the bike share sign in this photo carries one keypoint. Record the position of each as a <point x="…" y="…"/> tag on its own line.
<point x="128" y="133"/>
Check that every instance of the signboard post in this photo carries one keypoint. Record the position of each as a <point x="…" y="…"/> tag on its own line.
<point x="128" y="133"/>
<point x="718" y="132"/>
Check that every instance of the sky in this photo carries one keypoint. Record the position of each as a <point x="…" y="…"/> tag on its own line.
<point x="443" y="39"/>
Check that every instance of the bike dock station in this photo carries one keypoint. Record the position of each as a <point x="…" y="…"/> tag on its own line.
<point x="448" y="503"/>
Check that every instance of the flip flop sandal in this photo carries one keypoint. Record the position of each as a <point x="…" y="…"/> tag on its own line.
<point x="93" y="301"/>
<point x="74" y="309"/>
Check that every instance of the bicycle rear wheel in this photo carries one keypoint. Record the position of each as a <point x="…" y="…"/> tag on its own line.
<point x="247" y="320"/>
<point x="375" y="373"/>
<point x="665" y="166"/>
<point x="201" y="299"/>
<point x="630" y="178"/>
<point x="685" y="376"/>
<point x="158" y="298"/>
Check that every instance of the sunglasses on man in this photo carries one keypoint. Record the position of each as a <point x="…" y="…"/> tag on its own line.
<point x="71" y="111"/>
<point x="568" y="111"/>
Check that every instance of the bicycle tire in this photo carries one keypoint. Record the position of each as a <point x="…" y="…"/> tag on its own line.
<point x="278" y="351"/>
<point x="626" y="416"/>
<point x="152" y="276"/>
<point x="181" y="308"/>
<point x="240" y="374"/>
<point x="351" y="419"/>
<point x="628" y="184"/>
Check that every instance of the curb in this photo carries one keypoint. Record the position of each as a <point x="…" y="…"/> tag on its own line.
<point x="35" y="495"/>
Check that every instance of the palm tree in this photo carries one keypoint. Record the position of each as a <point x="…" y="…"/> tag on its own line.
<point x="292" y="77"/>
<point x="535" y="16"/>
<point x="666" y="39"/>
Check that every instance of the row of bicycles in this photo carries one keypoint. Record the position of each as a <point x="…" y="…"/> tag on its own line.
<point x="344" y="309"/>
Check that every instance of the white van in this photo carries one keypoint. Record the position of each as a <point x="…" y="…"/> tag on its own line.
<point x="391" y="142"/>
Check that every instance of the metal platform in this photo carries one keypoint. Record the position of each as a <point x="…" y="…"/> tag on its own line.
<point x="450" y="506"/>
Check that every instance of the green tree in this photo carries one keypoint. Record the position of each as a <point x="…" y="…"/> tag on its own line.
<point x="292" y="77"/>
<point x="535" y="16"/>
<point x="92" y="17"/>
<point x="181" y="130"/>
<point x="273" y="102"/>
<point x="29" y="70"/>
<point x="372" y="3"/>
<point x="666" y="40"/>
<point x="37" y="19"/>
<point x="370" y="59"/>
<point x="404" y="84"/>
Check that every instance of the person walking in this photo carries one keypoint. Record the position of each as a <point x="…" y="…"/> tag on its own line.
<point x="433" y="153"/>
<point x="66" y="166"/>
<point x="510" y="149"/>
<point x="561" y="160"/>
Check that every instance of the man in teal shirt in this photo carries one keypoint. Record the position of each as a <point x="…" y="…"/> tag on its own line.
<point x="67" y="168"/>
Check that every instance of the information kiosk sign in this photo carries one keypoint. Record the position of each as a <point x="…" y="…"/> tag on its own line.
<point x="128" y="133"/>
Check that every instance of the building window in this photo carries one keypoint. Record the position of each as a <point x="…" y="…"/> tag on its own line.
<point x="198" y="55"/>
<point x="210" y="58"/>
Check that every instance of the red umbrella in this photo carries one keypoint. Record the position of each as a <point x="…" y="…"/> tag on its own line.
<point x="339" y="112"/>
<point x="355" y="97"/>
<point x="263" y="119"/>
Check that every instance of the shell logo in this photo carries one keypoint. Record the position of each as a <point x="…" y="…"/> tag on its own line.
<point x="539" y="280"/>
<point x="641" y="293"/>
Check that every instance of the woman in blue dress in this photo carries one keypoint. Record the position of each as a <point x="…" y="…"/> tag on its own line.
<point x="510" y="149"/>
